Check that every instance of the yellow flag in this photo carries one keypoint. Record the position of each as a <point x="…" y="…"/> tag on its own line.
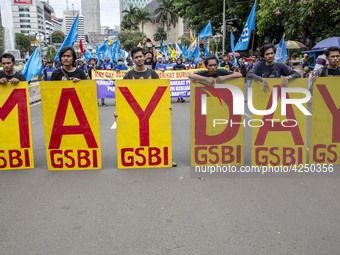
<point x="191" y="38"/>
<point x="139" y="44"/>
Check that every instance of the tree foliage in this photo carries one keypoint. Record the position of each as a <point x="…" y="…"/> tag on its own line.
<point x="183" y="39"/>
<point x="142" y="16"/>
<point x="160" y="34"/>
<point x="58" y="37"/>
<point x="129" y="21"/>
<point x="308" y="21"/>
<point x="23" y="43"/>
<point x="49" y="51"/>
<point x="166" y="14"/>
<point x="129" y="38"/>
<point x="2" y="42"/>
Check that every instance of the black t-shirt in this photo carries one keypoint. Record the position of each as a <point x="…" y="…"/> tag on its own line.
<point x="219" y="72"/>
<point x="90" y="70"/>
<point x="150" y="65"/>
<point x="17" y="75"/>
<point x="148" y="74"/>
<point x="58" y="75"/>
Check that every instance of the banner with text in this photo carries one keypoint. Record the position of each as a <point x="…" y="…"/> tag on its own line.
<point x="16" y="150"/>
<point x="71" y="124"/>
<point x="217" y="135"/>
<point x="278" y="140"/>
<point x="143" y="124"/>
<point x="179" y="82"/>
<point x="325" y="123"/>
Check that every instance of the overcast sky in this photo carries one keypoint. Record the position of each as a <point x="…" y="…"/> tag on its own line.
<point x="109" y="10"/>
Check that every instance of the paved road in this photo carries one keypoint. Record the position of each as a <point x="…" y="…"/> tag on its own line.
<point x="162" y="211"/>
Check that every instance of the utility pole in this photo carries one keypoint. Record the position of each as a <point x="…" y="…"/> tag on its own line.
<point x="223" y="45"/>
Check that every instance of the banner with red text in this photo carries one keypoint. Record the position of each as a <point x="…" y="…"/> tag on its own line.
<point x="16" y="150"/>
<point x="217" y="134"/>
<point x="278" y="140"/>
<point x="71" y="124"/>
<point x="324" y="145"/>
<point x="143" y="123"/>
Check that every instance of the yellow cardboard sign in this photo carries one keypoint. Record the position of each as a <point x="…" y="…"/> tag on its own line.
<point x="143" y="123"/>
<point x="325" y="123"/>
<point x="16" y="150"/>
<point x="71" y="124"/>
<point x="217" y="135"/>
<point x="278" y="140"/>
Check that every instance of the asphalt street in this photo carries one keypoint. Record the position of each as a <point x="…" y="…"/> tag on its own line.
<point x="162" y="211"/>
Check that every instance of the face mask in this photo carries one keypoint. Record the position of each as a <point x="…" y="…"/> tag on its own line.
<point x="120" y="63"/>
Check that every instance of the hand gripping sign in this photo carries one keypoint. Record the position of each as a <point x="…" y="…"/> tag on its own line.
<point x="325" y="122"/>
<point x="71" y="124"/>
<point x="15" y="127"/>
<point x="217" y="135"/>
<point x="279" y="123"/>
<point x="143" y="123"/>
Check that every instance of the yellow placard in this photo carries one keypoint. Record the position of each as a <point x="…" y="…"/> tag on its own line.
<point x="71" y="124"/>
<point x="143" y="123"/>
<point x="16" y="150"/>
<point x="217" y="134"/>
<point x="325" y="123"/>
<point x="278" y="140"/>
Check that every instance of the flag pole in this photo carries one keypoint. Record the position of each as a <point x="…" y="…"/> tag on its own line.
<point x="252" y="44"/>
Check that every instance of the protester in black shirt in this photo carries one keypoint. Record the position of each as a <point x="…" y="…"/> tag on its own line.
<point x="150" y="55"/>
<point x="179" y="66"/>
<point x="9" y="74"/>
<point x="68" y="71"/>
<point x="140" y="71"/>
<point x="208" y="76"/>
<point x="332" y="69"/>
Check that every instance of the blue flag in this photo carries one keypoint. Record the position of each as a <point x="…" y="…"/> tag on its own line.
<point x="71" y="37"/>
<point x="97" y="53"/>
<point x="88" y="54"/>
<point x="33" y="66"/>
<point x="206" y="51"/>
<point x="281" y="52"/>
<point x="219" y="63"/>
<point x="232" y="38"/>
<point x="206" y="32"/>
<point x="161" y="42"/>
<point x="184" y="51"/>
<point x="103" y="47"/>
<point x="243" y="41"/>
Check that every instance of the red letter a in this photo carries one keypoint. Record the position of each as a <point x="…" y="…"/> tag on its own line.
<point x="59" y="129"/>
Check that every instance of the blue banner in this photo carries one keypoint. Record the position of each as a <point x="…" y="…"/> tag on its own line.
<point x="243" y="42"/>
<point x="281" y="54"/>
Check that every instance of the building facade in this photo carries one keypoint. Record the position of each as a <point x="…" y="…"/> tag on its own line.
<point x="28" y="18"/>
<point x="56" y="23"/>
<point x="68" y="18"/>
<point x="90" y="9"/>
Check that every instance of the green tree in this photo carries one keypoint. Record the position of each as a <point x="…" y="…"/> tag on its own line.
<point x="2" y="41"/>
<point x="160" y="34"/>
<point x="142" y="16"/>
<point x="128" y="39"/>
<point x="184" y="40"/>
<point x="23" y="43"/>
<point x="166" y="14"/>
<point x="305" y="21"/>
<point x="129" y="21"/>
<point x="58" y="37"/>
<point x="51" y="53"/>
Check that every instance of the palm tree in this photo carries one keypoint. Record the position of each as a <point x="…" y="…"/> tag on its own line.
<point x="129" y="19"/>
<point x="160" y="34"/>
<point x="166" y="14"/>
<point x="142" y="16"/>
